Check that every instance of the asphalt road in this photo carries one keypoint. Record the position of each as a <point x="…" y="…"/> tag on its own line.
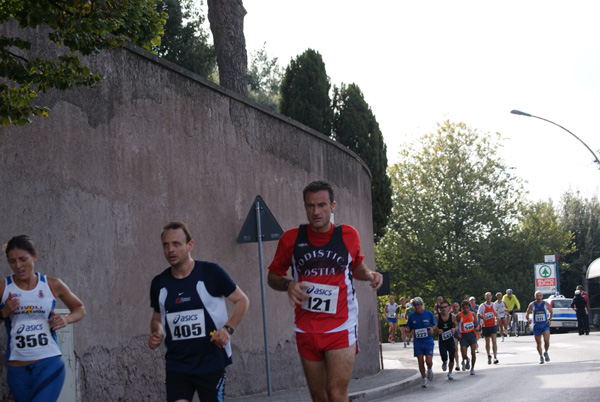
<point x="573" y="373"/>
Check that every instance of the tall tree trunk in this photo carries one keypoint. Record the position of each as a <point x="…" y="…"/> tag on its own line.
<point x="226" y="19"/>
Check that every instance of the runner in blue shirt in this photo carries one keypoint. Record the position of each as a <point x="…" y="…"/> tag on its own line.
<point x="542" y="314"/>
<point x="421" y="324"/>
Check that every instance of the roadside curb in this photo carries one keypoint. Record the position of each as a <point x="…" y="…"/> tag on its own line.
<point x="379" y="392"/>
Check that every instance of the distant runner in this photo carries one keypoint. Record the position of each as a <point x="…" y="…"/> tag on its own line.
<point x="421" y="324"/>
<point x="501" y="310"/>
<point x="402" y="320"/>
<point x="455" y="314"/>
<point x="392" y="319"/>
<point x="474" y="307"/>
<point x="542" y="314"/>
<point x="488" y="316"/>
<point x="467" y="325"/>
<point x="446" y="328"/>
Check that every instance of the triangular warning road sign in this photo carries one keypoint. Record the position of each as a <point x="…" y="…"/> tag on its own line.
<point x="270" y="229"/>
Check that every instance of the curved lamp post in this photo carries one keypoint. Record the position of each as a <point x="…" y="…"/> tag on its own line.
<point x="541" y="118"/>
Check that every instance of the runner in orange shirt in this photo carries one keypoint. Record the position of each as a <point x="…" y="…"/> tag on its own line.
<point x="467" y="325"/>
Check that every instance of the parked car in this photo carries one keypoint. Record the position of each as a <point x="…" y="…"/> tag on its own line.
<point x="564" y="317"/>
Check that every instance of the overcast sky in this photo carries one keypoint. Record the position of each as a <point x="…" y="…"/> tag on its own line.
<point x="422" y="62"/>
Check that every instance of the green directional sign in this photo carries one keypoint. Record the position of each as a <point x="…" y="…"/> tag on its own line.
<point x="546" y="278"/>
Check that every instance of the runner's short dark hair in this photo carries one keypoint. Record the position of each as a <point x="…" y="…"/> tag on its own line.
<point x="174" y="225"/>
<point x="316" y="186"/>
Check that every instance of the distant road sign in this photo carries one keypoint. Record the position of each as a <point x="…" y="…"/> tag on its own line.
<point x="270" y="229"/>
<point x="545" y="278"/>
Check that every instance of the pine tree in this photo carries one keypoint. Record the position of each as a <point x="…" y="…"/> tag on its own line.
<point x="305" y="92"/>
<point x="356" y="127"/>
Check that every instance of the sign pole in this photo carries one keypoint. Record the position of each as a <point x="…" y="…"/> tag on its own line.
<point x="557" y="276"/>
<point x="260" y="225"/>
<point x="262" y="292"/>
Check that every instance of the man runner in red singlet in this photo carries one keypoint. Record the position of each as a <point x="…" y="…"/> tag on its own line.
<point x="487" y="314"/>
<point x="324" y="260"/>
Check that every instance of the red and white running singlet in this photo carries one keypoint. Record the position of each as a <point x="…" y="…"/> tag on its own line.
<point x="488" y="312"/>
<point x="323" y="262"/>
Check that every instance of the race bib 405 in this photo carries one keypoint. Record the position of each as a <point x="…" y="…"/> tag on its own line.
<point x="186" y="324"/>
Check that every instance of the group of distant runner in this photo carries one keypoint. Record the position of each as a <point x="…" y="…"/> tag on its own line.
<point x="461" y="325"/>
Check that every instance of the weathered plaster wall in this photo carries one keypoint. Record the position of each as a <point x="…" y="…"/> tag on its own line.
<point x="94" y="183"/>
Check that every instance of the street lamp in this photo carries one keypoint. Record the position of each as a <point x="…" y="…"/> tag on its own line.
<point x="541" y="118"/>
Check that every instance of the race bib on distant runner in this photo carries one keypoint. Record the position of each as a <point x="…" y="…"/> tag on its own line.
<point x="540" y="316"/>
<point x="322" y="298"/>
<point x="186" y="324"/>
<point x="446" y="335"/>
<point x="469" y="326"/>
<point x="421" y="333"/>
<point x="488" y="316"/>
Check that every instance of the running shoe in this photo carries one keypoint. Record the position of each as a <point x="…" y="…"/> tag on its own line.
<point x="444" y="365"/>
<point x="468" y="365"/>
<point x="502" y="338"/>
<point x="472" y="370"/>
<point x="489" y="359"/>
<point x="495" y="360"/>
<point x="404" y="344"/>
<point x="463" y="366"/>
<point x="450" y="376"/>
<point x="546" y="356"/>
<point x="425" y="383"/>
<point x="429" y="374"/>
<point x="389" y="339"/>
<point x="457" y="367"/>
<point x="541" y="360"/>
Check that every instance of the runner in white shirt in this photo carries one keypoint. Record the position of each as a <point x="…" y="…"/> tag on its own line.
<point x="391" y="308"/>
<point x="501" y="309"/>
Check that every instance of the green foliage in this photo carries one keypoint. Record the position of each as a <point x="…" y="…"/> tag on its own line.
<point x="539" y="232"/>
<point x="355" y="126"/>
<point x="451" y="198"/>
<point x="85" y="27"/>
<point x="305" y="92"/>
<point x="185" y="41"/>
<point x="582" y="218"/>
<point x="264" y="79"/>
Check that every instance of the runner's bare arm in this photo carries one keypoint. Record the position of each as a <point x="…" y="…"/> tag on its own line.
<point x="362" y="273"/>
<point x="295" y="290"/>
<point x="156" y="331"/>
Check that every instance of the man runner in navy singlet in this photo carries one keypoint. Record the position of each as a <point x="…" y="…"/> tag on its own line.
<point x="190" y="315"/>
<point x="324" y="260"/>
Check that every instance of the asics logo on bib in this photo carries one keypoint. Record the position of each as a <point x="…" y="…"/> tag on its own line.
<point x="184" y="318"/>
<point x="28" y="328"/>
<point x="319" y="292"/>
